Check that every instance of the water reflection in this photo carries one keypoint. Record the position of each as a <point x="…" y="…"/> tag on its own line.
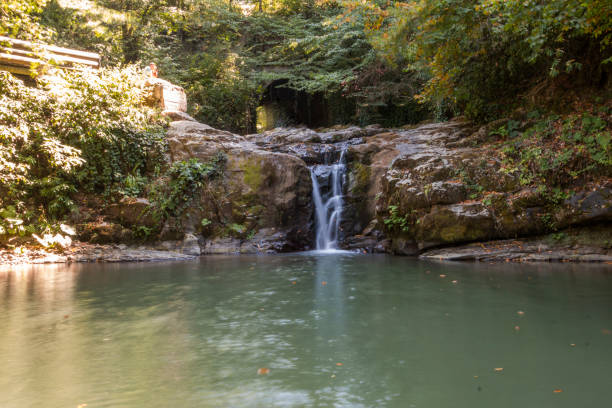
<point x="340" y="330"/>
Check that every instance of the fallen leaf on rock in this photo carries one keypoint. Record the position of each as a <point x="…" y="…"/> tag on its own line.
<point x="81" y="405"/>
<point x="263" y="371"/>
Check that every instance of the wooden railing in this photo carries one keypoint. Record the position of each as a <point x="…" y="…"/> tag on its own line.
<point x="20" y="57"/>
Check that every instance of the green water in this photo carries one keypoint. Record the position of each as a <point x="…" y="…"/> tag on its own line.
<point x="195" y="334"/>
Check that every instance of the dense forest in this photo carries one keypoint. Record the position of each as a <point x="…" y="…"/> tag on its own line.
<point x="543" y="66"/>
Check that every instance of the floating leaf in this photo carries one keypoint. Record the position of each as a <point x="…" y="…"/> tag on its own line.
<point x="498" y="369"/>
<point x="263" y="371"/>
<point x="339" y="364"/>
<point x="557" y="391"/>
<point x="323" y="283"/>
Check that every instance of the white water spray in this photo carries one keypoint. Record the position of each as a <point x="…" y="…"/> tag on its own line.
<point x="328" y="207"/>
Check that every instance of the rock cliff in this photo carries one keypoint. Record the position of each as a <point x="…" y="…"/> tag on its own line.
<point x="412" y="191"/>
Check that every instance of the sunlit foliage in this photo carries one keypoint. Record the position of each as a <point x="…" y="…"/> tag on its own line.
<point x="83" y="131"/>
<point x="474" y="52"/>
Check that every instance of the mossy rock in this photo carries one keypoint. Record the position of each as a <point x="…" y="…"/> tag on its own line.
<point x="454" y="224"/>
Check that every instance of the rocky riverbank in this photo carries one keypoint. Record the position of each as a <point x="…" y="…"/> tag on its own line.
<point x="577" y="245"/>
<point x="535" y="249"/>
<point x="434" y="191"/>
<point x="87" y="253"/>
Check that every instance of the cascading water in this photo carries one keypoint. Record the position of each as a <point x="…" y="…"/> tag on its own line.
<point x="328" y="204"/>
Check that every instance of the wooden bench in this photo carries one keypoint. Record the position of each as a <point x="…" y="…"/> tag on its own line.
<point x="20" y="57"/>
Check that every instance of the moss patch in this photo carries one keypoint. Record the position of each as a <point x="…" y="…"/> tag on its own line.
<point x="361" y="174"/>
<point x="252" y="173"/>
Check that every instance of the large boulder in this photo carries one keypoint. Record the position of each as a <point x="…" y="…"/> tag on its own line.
<point x="259" y="191"/>
<point x="453" y="224"/>
<point x="131" y="211"/>
<point x="165" y="95"/>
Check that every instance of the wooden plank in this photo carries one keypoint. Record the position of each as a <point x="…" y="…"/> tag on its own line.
<point x="16" y="51"/>
<point x="59" y="54"/>
<point x="15" y="70"/>
<point x="17" y="60"/>
<point x="21" y="60"/>
<point x="51" y="48"/>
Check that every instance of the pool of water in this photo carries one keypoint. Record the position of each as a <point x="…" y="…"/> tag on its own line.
<point x="332" y="330"/>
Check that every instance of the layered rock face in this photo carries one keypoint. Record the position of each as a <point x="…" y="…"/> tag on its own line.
<point x="410" y="190"/>
<point x="263" y="201"/>
<point x="406" y="191"/>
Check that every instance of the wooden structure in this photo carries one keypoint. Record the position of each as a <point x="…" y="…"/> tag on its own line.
<point x="20" y="57"/>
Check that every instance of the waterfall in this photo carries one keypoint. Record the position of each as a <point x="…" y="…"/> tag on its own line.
<point x="327" y="182"/>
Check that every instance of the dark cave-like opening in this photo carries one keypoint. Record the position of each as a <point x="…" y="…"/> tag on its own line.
<point x="281" y="106"/>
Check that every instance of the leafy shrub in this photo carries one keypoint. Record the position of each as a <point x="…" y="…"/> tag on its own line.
<point x="397" y="222"/>
<point x="175" y="192"/>
<point x="79" y="131"/>
<point x="560" y="151"/>
<point x="479" y="54"/>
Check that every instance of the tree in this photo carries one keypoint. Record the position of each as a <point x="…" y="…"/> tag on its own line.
<point x="475" y="52"/>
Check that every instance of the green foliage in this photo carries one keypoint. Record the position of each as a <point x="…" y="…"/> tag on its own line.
<point x="102" y="115"/>
<point x="21" y="19"/>
<point x="80" y="131"/>
<point x="236" y="229"/>
<point x="314" y="54"/>
<point x="397" y="222"/>
<point x="133" y="186"/>
<point x="476" y="53"/>
<point x="142" y="232"/>
<point x="560" y="151"/>
<point x="183" y="182"/>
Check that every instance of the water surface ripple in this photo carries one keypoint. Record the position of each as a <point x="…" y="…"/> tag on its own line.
<point x="334" y="330"/>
